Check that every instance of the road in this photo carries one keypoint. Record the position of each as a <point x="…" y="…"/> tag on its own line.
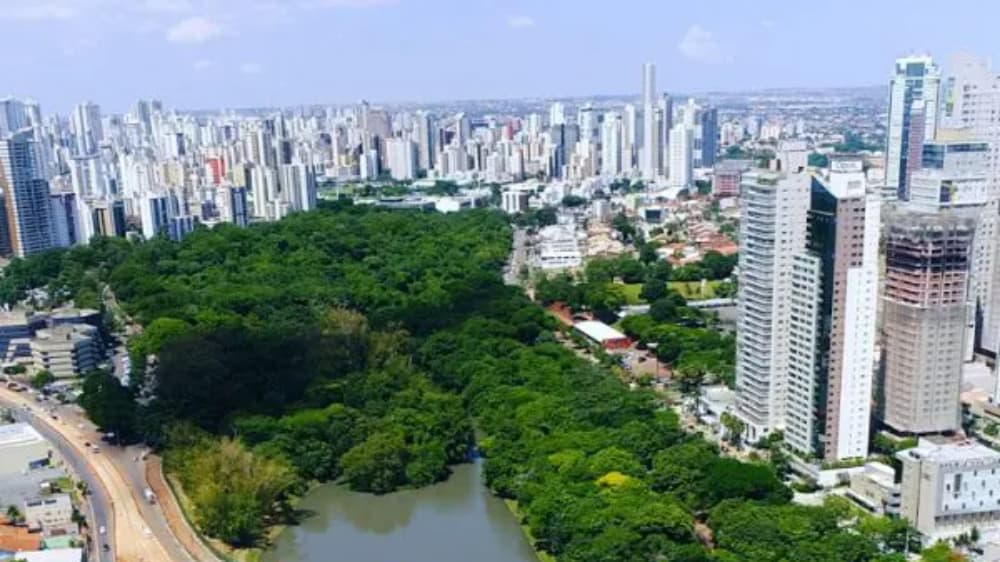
<point x="137" y="534"/>
<point x="97" y="499"/>
<point x="518" y="257"/>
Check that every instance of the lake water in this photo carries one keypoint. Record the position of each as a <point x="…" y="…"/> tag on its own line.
<point x="454" y="521"/>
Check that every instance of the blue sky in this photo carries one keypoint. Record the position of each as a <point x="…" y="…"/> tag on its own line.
<point x="237" y="53"/>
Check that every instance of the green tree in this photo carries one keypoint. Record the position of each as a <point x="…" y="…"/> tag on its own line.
<point x="734" y="428"/>
<point x="42" y="379"/>
<point x="378" y="464"/>
<point x="109" y="404"/>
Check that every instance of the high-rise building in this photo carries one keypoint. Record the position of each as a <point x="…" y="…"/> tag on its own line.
<point x="155" y="212"/>
<point x="971" y="101"/>
<point x="834" y="294"/>
<point x="65" y="221"/>
<point x="424" y="133"/>
<point x="709" y="135"/>
<point x="402" y="159"/>
<point x="924" y="317"/>
<point x="664" y="126"/>
<point x="298" y="186"/>
<point x="87" y="129"/>
<point x="630" y="137"/>
<point x="914" y="85"/>
<point x="681" y="155"/>
<point x="650" y="132"/>
<point x="611" y="144"/>
<point x="28" y="211"/>
<point x="557" y="114"/>
<point x="772" y="232"/>
<point x="13" y="116"/>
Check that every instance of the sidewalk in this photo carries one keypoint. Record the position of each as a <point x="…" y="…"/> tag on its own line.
<point x="179" y="525"/>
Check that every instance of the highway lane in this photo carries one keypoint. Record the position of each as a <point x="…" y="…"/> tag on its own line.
<point x="134" y="541"/>
<point x="132" y="468"/>
<point x="97" y="499"/>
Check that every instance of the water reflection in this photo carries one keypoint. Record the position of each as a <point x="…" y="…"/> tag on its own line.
<point x="453" y="521"/>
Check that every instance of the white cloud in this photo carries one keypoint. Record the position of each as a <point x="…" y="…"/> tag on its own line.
<point x="197" y="29"/>
<point x="700" y="44"/>
<point x="166" y="6"/>
<point x="313" y="4"/>
<point x="38" y="10"/>
<point x="251" y="68"/>
<point x="203" y="64"/>
<point x="520" y="22"/>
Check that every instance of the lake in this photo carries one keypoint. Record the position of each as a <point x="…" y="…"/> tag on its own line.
<point x="454" y="521"/>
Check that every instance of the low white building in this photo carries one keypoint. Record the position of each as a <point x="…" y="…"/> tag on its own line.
<point x="22" y="449"/>
<point x="57" y="555"/>
<point x="947" y="489"/>
<point x="52" y="515"/>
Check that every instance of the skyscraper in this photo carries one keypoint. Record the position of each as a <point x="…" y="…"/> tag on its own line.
<point x="925" y="312"/>
<point x="681" y="155"/>
<point x="13" y="116"/>
<point x="709" y="135"/>
<point x="650" y="132"/>
<point x="630" y="137"/>
<point x="772" y="233"/>
<point x="915" y="80"/>
<point x="834" y="294"/>
<point x="971" y="101"/>
<point x="611" y="144"/>
<point x="87" y="129"/>
<point x="28" y="211"/>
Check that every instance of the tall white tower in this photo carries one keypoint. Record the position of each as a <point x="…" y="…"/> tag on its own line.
<point x="650" y="134"/>
<point x="87" y="130"/>
<point x="772" y="233"/>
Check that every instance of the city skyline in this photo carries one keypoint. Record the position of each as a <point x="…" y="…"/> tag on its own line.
<point x="202" y="54"/>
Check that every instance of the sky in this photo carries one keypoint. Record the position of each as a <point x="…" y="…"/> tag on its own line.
<point x="206" y="54"/>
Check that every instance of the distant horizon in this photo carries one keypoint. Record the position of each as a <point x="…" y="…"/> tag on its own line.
<point x="436" y="102"/>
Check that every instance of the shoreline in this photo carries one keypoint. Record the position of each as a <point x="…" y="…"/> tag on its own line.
<point x="518" y="515"/>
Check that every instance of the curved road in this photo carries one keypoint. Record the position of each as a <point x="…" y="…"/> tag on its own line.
<point x="129" y="530"/>
<point x="100" y="506"/>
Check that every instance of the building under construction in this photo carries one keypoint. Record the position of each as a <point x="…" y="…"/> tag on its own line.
<point x="925" y="313"/>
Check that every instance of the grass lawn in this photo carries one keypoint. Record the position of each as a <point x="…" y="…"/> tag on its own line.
<point x="631" y="292"/>
<point x="690" y="290"/>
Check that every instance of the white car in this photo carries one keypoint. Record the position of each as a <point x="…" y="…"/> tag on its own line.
<point x="102" y="530"/>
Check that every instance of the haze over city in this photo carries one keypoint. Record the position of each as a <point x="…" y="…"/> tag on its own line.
<point x="202" y="54"/>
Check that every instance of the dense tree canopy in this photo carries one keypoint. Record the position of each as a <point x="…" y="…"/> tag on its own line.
<point x="365" y="345"/>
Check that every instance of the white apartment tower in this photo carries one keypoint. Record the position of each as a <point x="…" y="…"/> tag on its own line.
<point x="971" y="101"/>
<point x="772" y="234"/>
<point x="87" y="129"/>
<point x="611" y="145"/>
<point x="681" y="155"/>
<point x="402" y="159"/>
<point x="650" y="132"/>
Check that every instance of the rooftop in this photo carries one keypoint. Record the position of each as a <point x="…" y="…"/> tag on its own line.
<point x="950" y="452"/>
<point x="598" y="331"/>
<point x="18" y="434"/>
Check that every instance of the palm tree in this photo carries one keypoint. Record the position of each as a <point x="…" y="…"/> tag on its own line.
<point x="13" y="514"/>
